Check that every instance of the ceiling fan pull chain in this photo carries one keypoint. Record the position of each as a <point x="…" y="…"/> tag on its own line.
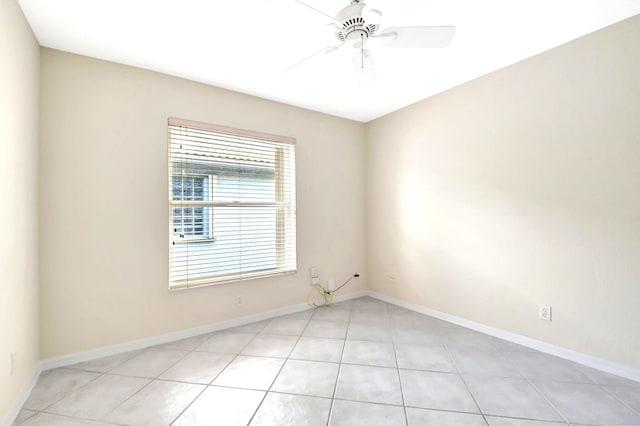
<point x="362" y="51"/>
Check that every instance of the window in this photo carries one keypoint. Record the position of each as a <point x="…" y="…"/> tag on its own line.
<point x="232" y="206"/>
<point x="192" y="222"/>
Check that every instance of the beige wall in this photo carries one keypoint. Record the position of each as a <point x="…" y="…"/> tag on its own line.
<point x="104" y="202"/>
<point x="19" y="83"/>
<point x="516" y="189"/>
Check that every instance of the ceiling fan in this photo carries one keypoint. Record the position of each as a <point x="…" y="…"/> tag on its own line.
<point x="357" y="25"/>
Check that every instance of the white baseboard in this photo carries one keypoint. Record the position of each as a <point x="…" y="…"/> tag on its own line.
<point x="559" y="351"/>
<point x="146" y="342"/>
<point x="22" y="397"/>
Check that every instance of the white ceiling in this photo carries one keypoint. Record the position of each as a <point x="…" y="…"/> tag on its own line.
<point x="245" y="45"/>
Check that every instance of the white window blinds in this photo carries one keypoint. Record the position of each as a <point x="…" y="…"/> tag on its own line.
<point x="232" y="204"/>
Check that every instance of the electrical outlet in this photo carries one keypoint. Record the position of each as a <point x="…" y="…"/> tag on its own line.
<point x="544" y="312"/>
<point x="238" y="300"/>
<point x="315" y="275"/>
<point x="14" y="362"/>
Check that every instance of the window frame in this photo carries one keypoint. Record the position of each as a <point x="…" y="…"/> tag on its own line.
<point x="283" y="251"/>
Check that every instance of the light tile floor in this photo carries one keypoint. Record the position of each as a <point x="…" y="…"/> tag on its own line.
<point x="362" y="362"/>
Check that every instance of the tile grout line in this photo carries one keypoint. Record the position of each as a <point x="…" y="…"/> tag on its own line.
<point x="606" y="390"/>
<point x="220" y="372"/>
<point x="280" y="370"/>
<point x="528" y="380"/>
<point x="151" y="380"/>
<point x="395" y="354"/>
<point x="557" y="410"/>
<point x="99" y="375"/>
<point x="455" y="364"/>
<point x="44" y="410"/>
<point x="109" y="373"/>
<point x="344" y="344"/>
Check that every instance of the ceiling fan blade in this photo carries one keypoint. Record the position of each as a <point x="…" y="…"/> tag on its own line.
<point x="371" y="15"/>
<point x="319" y="11"/>
<point x="417" y="36"/>
<point x="324" y="50"/>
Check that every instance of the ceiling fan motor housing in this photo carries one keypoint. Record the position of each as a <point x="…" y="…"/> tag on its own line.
<point x="354" y="28"/>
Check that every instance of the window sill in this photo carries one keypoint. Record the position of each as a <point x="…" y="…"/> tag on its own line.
<point x="206" y="282"/>
<point x="194" y="240"/>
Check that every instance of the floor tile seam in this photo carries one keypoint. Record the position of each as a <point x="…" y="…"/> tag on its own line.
<point x="286" y="359"/>
<point x="490" y="376"/>
<point x="443" y="410"/>
<point x="412" y="343"/>
<point x="367" y="365"/>
<point x="475" y="401"/>
<point x="572" y="366"/>
<point x="236" y="355"/>
<point x="173" y="364"/>
<point x="231" y="330"/>
<point x="91" y="419"/>
<point x="74" y="418"/>
<point x="133" y="355"/>
<point x="548" y="401"/>
<point x="222" y="356"/>
<point x="456" y="373"/>
<point x="189" y="405"/>
<point x="66" y="394"/>
<point x="329" y="398"/>
<point x="217" y="375"/>
<point x="502" y="416"/>
<point x="369" y="402"/>
<point x="522" y="417"/>
<point x="280" y="334"/>
<point x="414" y="407"/>
<point x="608" y="392"/>
<point x="197" y="349"/>
<point x="592" y="381"/>
<point x="314" y="320"/>
<point x="395" y="357"/>
<point x="152" y="378"/>
<point x="320" y="337"/>
<point x="179" y="382"/>
<point x="371" y="341"/>
<point x="126" y="399"/>
<point x="246" y="352"/>
<point x="522" y="370"/>
<point x="330" y="319"/>
<point x="519" y="368"/>
<point x="313" y="360"/>
<point x="218" y="352"/>
<point x="89" y="371"/>
<point x="324" y="337"/>
<point x="35" y="413"/>
<point x="551" y="378"/>
<point x="335" y="387"/>
<point x="375" y="323"/>
<point x="372" y="310"/>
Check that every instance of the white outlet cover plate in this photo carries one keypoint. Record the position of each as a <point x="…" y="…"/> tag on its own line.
<point x="545" y="312"/>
